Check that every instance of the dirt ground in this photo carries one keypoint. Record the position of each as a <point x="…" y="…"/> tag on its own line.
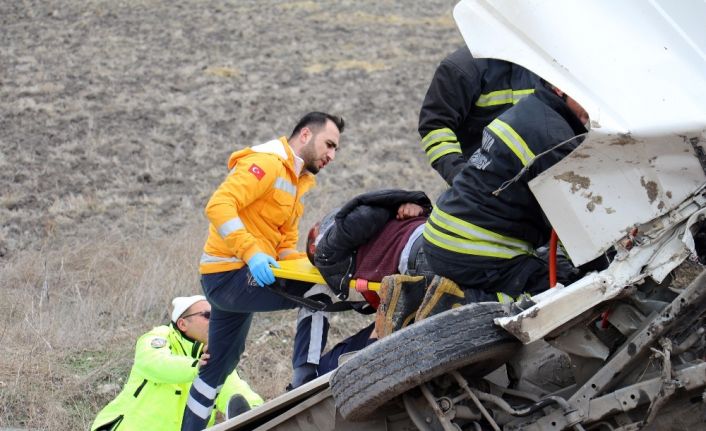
<point x="120" y="115"/>
<point x="116" y="122"/>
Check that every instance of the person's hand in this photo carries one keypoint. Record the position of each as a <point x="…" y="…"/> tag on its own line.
<point x="260" y="269"/>
<point x="409" y="210"/>
<point x="203" y="359"/>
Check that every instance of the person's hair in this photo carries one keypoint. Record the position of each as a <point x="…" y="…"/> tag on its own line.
<point x="552" y="87"/>
<point x="547" y="84"/>
<point x="317" y="120"/>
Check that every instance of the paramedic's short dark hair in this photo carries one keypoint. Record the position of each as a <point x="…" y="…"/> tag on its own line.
<point x="317" y="120"/>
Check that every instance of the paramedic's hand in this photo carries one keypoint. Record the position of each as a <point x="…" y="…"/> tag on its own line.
<point x="409" y="210"/>
<point x="260" y="269"/>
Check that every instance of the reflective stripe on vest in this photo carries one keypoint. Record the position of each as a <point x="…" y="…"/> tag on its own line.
<point x="230" y="226"/>
<point x="502" y="97"/>
<point x="440" y="142"/>
<point x="209" y="258"/>
<point x="286" y="186"/>
<point x="513" y="140"/>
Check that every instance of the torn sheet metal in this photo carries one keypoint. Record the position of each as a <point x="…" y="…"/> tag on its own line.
<point x="555" y="307"/>
<point x="611" y="184"/>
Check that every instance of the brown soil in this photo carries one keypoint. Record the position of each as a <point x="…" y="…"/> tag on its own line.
<point x="117" y="120"/>
<point x="121" y="115"/>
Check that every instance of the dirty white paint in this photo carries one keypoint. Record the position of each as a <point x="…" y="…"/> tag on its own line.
<point x="642" y="80"/>
<point x="613" y="183"/>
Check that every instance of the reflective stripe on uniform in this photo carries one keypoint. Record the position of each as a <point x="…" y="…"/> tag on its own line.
<point x="198" y="409"/>
<point x="208" y="258"/>
<point x="317" y="333"/>
<point x="466" y="246"/>
<point x="504" y="298"/>
<point x="513" y="140"/>
<point x="205" y="389"/>
<point x="502" y="97"/>
<point x="286" y="186"/>
<point x="230" y="226"/>
<point x="443" y="149"/>
<point x="473" y="232"/>
<point x="438" y="135"/>
<point x="518" y="95"/>
<point x="440" y="142"/>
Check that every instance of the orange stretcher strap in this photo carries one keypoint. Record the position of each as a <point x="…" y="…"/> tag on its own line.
<point x="302" y="270"/>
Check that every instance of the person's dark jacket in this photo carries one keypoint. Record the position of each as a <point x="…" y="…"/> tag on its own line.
<point x="465" y="95"/>
<point x="355" y="224"/>
<point x="472" y="227"/>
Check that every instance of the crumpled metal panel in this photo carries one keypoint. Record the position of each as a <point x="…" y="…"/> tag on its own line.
<point x="639" y="69"/>
<point x="611" y="184"/>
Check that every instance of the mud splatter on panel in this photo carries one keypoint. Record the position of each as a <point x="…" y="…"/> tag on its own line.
<point x="593" y="201"/>
<point x="577" y="182"/>
<point x="624" y="139"/>
<point x="650" y="187"/>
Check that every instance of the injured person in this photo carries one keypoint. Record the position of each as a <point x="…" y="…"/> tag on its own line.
<point x="376" y="237"/>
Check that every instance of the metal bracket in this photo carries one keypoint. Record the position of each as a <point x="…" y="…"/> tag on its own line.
<point x="669" y="385"/>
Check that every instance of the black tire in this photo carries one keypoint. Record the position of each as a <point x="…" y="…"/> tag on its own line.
<point x="462" y="337"/>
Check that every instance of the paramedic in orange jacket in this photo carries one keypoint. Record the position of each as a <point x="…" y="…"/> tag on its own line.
<point x="253" y="217"/>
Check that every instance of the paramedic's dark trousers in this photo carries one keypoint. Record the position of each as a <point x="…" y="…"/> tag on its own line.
<point x="234" y="297"/>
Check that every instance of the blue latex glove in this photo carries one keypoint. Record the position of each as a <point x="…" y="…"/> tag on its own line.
<point x="259" y="265"/>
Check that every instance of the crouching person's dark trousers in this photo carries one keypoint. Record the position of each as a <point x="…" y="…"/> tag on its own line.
<point x="234" y="297"/>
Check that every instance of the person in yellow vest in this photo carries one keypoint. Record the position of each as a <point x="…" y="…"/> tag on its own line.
<point x="167" y="359"/>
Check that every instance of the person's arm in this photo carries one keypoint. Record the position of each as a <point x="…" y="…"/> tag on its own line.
<point x="449" y="98"/>
<point x="250" y="178"/>
<point x="158" y="364"/>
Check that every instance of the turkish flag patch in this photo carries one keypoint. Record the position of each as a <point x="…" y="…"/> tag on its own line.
<point x="257" y="171"/>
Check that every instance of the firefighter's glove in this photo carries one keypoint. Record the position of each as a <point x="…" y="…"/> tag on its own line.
<point x="259" y="265"/>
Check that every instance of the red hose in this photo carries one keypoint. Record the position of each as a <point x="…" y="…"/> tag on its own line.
<point x="553" y="240"/>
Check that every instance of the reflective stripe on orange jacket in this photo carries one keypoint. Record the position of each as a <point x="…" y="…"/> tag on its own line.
<point x="256" y="208"/>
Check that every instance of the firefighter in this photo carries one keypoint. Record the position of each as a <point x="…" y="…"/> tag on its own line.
<point x="484" y="230"/>
<point x="465" y="95"/>
<point x="167" y="359"/>
<point x="253" y="218"/>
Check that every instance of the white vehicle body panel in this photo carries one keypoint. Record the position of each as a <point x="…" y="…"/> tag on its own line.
<point x="639" y="69"/>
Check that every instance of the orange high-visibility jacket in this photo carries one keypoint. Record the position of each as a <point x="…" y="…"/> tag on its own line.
<point x="256" y="209"/>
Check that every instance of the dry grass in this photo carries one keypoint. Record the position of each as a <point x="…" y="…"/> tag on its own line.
<point x="70" y="319"/>
<point x="71" y="316"/>
<point x="117" y="121"/>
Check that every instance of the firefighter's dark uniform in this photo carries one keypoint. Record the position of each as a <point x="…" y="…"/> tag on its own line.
<point x="486" y="243"/>
<point x="465" y="95"/>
